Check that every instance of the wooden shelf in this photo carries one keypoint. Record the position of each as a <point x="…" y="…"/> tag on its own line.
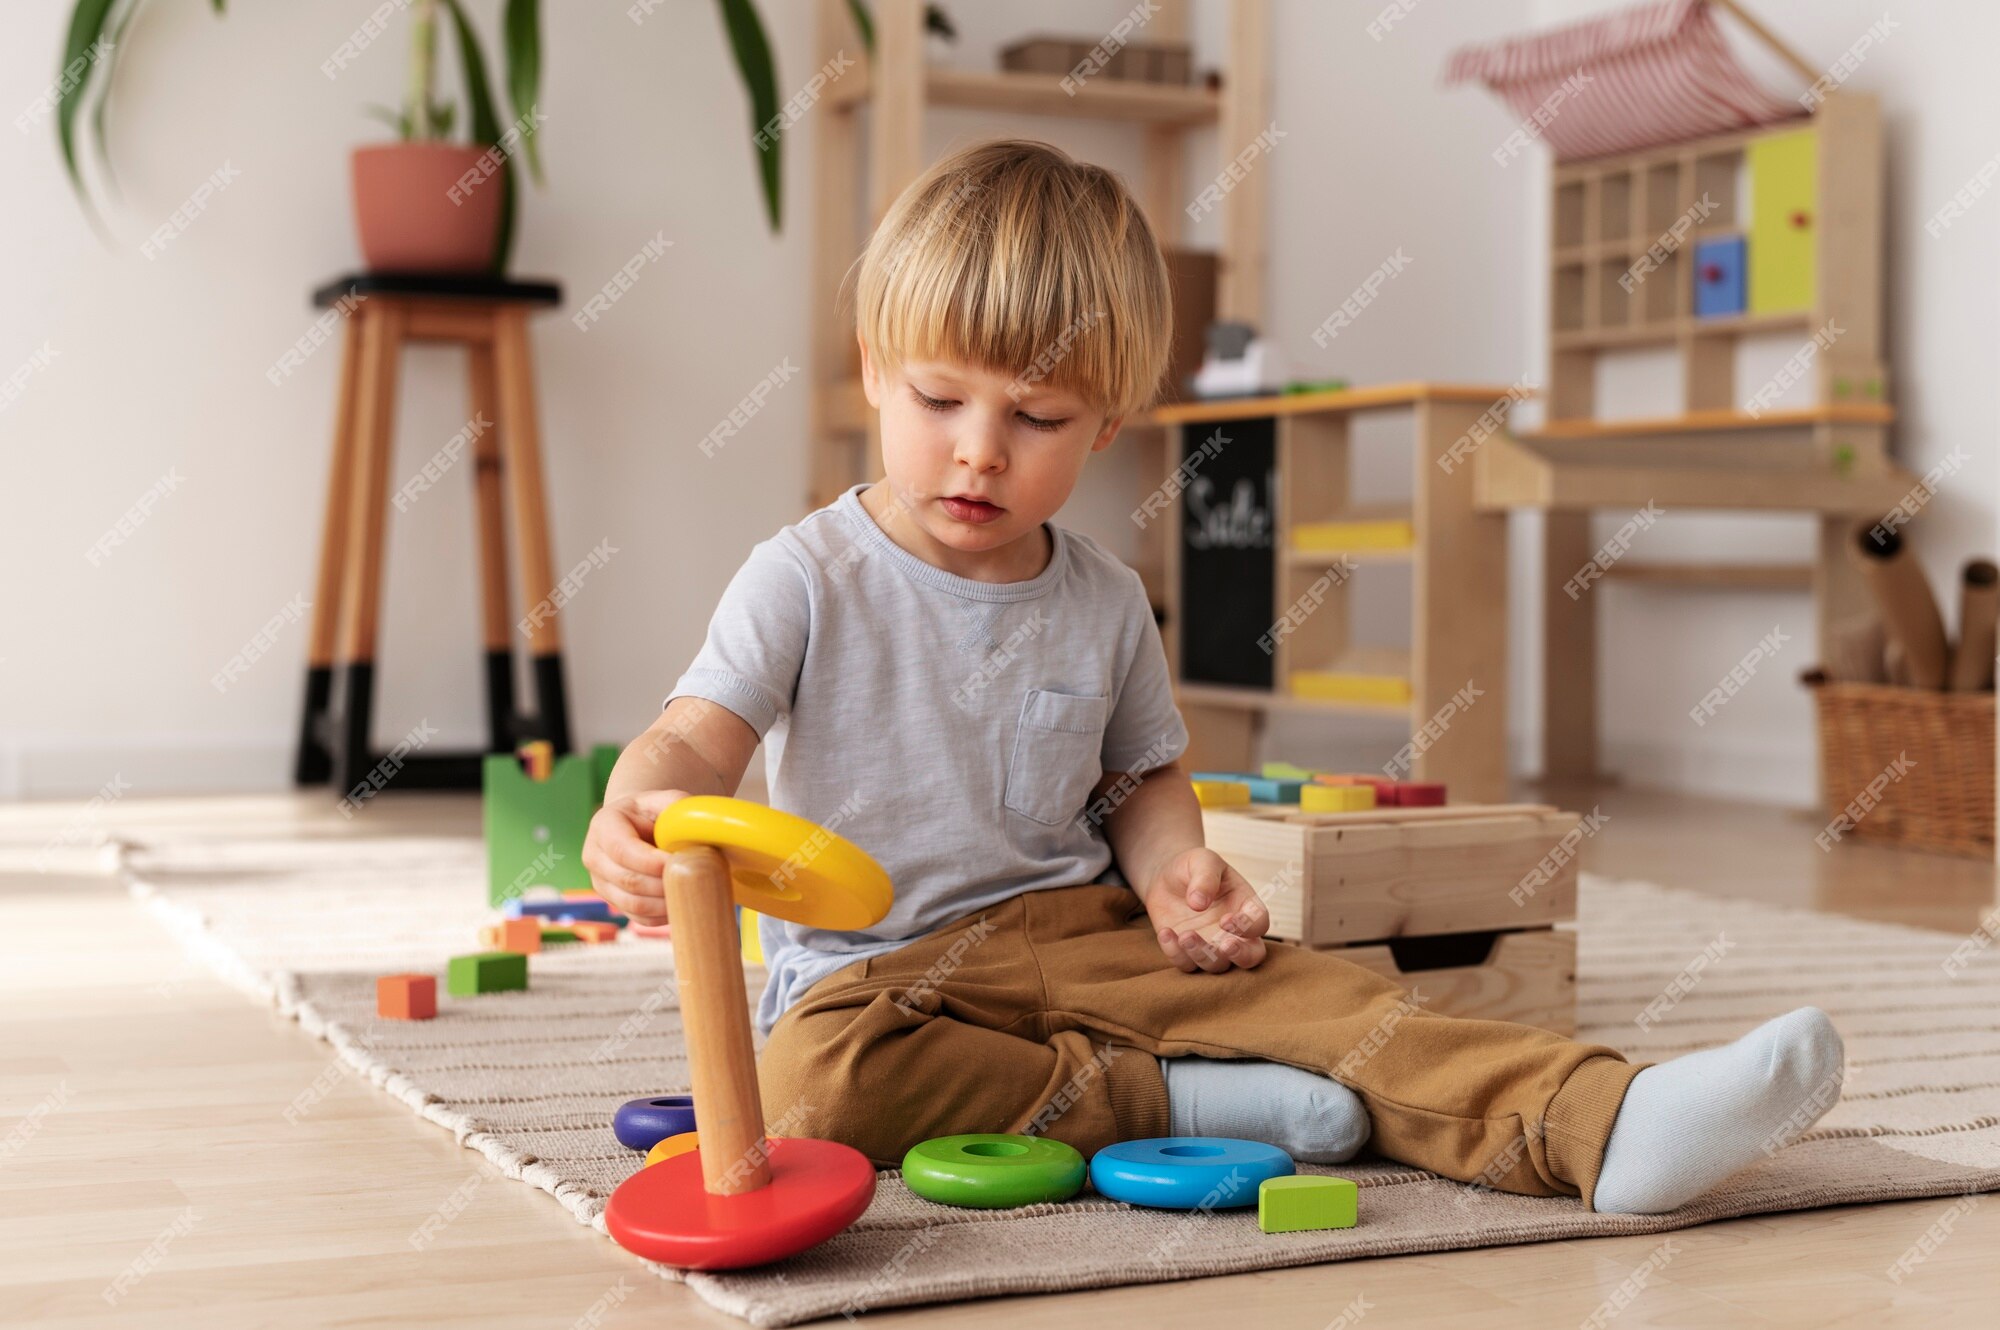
<point x="1722" y="576"/>
<point x="1328" y="558"/>
<point x="1703" y="422"/>
<point x="1043" y="94"/>
<point x="1663" y="332"/>
<point x="1554" y="472"/>
<point x="1259" y="699"/>
<point x="1347" y="399"/>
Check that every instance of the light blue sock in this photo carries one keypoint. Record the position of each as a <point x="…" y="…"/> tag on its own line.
<point x="1311" y="1118"/>
<point x="1686" y="1125"/>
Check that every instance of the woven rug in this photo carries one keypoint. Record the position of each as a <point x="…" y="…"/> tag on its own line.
<point x="530" y="1079"/>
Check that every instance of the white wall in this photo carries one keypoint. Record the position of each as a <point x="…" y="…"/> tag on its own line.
<point x="104" y="671"/>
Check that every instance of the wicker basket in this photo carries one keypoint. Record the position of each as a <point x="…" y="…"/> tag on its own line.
<point x="1944" y="800"/>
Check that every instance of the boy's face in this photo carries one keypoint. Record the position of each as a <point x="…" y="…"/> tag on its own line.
<point x="954" y="434"/>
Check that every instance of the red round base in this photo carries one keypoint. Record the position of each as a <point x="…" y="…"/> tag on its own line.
<point x="664" y="1213"/>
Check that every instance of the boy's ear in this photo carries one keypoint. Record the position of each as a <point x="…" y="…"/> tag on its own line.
<point x="1107" y="434"/>
<point x="868" y="383"/>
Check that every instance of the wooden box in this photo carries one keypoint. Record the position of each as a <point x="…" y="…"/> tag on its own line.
<point x="1459" y="901"/>
<point x="1139" y="62"/>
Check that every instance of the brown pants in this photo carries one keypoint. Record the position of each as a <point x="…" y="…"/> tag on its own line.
<point x="1042" y="1014"/>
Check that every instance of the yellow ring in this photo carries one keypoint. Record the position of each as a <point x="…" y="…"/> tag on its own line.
<point x="781" y="864"/>
<point x="669" y="1146"/>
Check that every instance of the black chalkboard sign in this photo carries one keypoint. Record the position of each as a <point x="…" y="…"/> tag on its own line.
<point x="1227" y="552"/>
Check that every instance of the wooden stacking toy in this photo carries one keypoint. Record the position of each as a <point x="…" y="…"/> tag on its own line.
<point x="739" y="1199"/>
<point x="1187" y="1172"/>
<point x="991" y="1171"/>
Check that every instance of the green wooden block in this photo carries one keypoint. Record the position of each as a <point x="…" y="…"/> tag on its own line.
<point x="1301" y="1201"/>
<point x="1286" y="771"/>
<point x="558" y="935"/>
<point x="486" y="972"/>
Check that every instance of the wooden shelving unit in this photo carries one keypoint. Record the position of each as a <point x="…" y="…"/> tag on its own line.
<point x="897" y="88"/>
<point x="1806" y="194"/>
<point x="1456" y="564"/>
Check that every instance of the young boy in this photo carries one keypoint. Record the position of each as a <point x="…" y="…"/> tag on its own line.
<point x="980" y="700"/>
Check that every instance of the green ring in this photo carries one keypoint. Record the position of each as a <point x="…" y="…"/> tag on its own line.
<point x="992" y="1171"/>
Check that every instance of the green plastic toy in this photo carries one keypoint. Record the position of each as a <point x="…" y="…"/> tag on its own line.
<point x="993" y="1171"/>
<point x="1299" y="1202"/>
<point x="535" y="828"/>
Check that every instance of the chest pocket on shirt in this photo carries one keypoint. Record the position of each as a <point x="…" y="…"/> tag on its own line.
<point x="1057" y="745"/>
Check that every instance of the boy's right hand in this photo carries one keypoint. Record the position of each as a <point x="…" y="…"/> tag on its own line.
<point x="625" y="867"/>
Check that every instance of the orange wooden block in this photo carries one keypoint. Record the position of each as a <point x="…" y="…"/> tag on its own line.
<point x="518" y="935"/>
<point x="594" y="930"/>
<point x="406" y="997"/>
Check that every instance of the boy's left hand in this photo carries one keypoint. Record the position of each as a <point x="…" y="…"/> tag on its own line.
<point x="1205" y="915"/>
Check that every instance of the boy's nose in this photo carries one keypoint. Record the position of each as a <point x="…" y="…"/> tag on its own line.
<point x="981" y="452"/>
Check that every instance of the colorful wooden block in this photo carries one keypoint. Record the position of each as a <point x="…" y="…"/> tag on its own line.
<point x="552" y="934"/>
<point x="1303" y="1201"/>
<point x="578" y="907"/>
<point x="1263" y="790"/>
<point x="1288" y="771"/>
<point x="1221" y="793"/>
<point x="1316" y="798"/>
<point x="406" y="997"/>
<point x="594" y="931"/>
<point x="522" y="935"/>
<point x="486" y="972"/>
<point x="1419" y="794"/>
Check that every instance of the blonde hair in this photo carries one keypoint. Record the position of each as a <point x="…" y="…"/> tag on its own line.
<point x="1016" y="257"/>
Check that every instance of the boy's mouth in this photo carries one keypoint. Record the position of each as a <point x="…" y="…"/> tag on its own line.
<point x="977" y="511"/>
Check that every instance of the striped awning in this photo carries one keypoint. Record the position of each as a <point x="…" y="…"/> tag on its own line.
<point x="1654" y="74"/>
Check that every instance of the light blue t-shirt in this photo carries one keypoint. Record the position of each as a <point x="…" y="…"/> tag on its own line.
<point x="953" y="729"/>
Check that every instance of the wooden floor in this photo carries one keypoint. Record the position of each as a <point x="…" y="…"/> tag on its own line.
<point x="148" y="1175"/>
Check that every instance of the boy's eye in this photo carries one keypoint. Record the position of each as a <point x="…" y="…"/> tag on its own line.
<point x="929" y="403"/>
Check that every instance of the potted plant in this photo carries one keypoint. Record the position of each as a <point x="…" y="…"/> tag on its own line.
<point x="425" y="203"/>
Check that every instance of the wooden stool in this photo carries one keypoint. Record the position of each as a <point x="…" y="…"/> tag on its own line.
<point x="490" y="318"/>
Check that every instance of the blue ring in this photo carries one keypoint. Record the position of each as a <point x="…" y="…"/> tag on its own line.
<point x="1187" y="1172"/>
<point x="641" y="1124"/>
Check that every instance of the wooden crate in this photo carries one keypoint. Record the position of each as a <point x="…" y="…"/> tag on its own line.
<point x="1331" y="879"/>
<point x="1527" y="976"/>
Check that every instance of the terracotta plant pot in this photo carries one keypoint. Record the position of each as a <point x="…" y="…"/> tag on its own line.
<point x="424" y="207"/>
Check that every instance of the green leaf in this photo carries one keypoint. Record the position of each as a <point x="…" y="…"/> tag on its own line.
<point x="522" y="26"/>
<point x="107" y="77"/>
<point x="390" y="116"/>
<point x="86" y="24"/>
<point x="864" y="21"/>
<point x="760" y="80"/>
<point x="485" y="125"/>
